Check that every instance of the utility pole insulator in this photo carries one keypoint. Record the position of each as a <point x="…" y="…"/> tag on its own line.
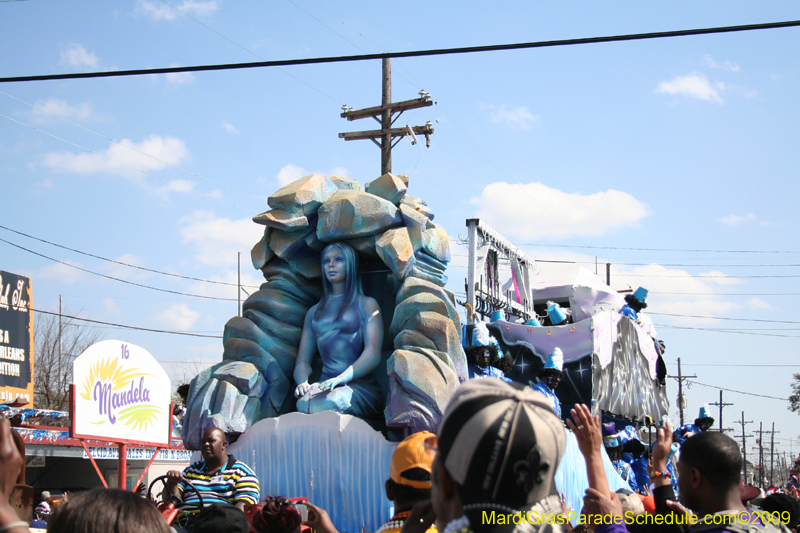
<point x="681" y="378"/>
<point x="384" y="114"/>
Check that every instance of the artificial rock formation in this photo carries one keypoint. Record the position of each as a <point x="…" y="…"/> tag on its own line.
<point x="255" y="381"/>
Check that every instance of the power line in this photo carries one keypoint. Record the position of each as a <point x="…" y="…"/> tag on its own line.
<point x="128" y="327"/>
<point x="116" y="279"/>
<point x="738" y="391"/>
<point x="413" y="53"/>
<point x="125" y="264"/>
<point x="728" y="318"/>
<point x="130" y="147"/>
<point x="168" y="182"/>
<point x="703" y="276"/>
<point x="757" y="366"/>
<point x="731" y="331"/>
<point x="665" y="249"/>
<point x="729" y="293"/>
<point x="617" y="263"/>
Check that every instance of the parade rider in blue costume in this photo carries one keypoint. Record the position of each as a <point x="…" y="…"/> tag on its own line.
<point x="634" y="303"/>
<point x="483" y="354"/>
<point x="703" y="422"/>
<point x="550" y="376"/>
<point x="614" y="450"/>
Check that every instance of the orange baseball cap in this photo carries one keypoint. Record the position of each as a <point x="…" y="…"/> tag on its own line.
<point x="412" y="453"/>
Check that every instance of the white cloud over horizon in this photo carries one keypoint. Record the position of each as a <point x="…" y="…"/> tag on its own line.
<point x="534" y="210"/>
<point x="290" y="173"/>
<point x="518" y="117"/>
<point x="179" y="78"/>
<point x="76" y="56"/>
<point x="179" y="317"/>
<point x="121" y="160"/>
<point x="62" y="273"/>
<point x="727" y="65"/>
<point x="757" y="304"/>
<point x="230" y="128"/>
<point x="63" y="109"/>
<point x="158" y="11"/>
<point x="217" y="240"/>
<point x="694" y="85"/>
<point x="736" y="220"/>
<point x="675" y="291"/>
<point x="111" y="307"/>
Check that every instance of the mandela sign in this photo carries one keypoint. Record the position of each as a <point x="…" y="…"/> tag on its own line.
<point x="121" y="394"/>
<point x="16" y="338"/>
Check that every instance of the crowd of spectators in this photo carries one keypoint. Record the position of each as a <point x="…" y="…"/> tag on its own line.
<point x="490" y="467"/>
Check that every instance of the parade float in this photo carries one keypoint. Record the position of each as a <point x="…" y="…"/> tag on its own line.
<point x="341" y="461"/>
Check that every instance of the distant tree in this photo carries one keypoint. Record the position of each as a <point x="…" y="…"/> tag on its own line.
<point x="52" y="373"/>
<point x="794" y="398"/>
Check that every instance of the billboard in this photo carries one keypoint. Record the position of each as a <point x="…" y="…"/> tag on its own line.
<point x="16" y="338"/>
<point x="121" y="394"/>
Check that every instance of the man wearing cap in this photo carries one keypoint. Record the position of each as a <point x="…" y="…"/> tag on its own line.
<point x="409" y="479"/>
<point x="703" y="422"/>
<point x="498" y="448"/>
<point x="549" y="378"/>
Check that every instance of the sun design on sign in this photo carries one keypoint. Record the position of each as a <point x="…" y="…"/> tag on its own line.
<point x="119" y="395"/>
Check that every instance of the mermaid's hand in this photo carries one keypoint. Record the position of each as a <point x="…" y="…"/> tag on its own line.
<point x="302" y="389"/>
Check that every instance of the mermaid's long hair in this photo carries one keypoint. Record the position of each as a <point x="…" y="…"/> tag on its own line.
<point x="352" y="283"/>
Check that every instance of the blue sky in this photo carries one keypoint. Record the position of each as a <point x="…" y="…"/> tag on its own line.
<point x="677" y="144"/>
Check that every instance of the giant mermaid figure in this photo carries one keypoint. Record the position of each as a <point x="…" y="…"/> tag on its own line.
<point x="347" y="330"/>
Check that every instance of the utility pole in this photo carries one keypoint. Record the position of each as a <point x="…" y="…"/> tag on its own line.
<point x="744" y="444"/>
<point x="60" y="345"/>
<point x="239" y="283"/>
<point x="772" y="453"/>
<point x="760" y="455"/>
<point x="721" y="405"/>
<point x="386" y="111"/>
<point x="680" y="378"/>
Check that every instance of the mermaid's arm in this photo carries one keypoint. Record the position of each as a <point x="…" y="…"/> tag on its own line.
<point x="305" y="354"/>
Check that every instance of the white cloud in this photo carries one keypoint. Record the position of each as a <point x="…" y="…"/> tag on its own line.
<point x="158" y="11"/>
<point x="125" y="272"/>
<point x="47" y="183"/>
<point x="674" y="291"/>
<point x="727" y="65"/>
<point x="62" y="273"/>
<point x="230" y="129"/>
<point x="164" y="151"/>
<point x="757" y="304"/>
<point x="217" y="240"/>
<point x="694" y="85"/>
<point x="519" y="117"/>
<point x="720" y="278"/>
<point x="61" y="108"/>
<point x="534" y="210"/>
<point x="179" y="78"/>
<point x="179" y="317"/>
<point x="290" y="173"/>
<point x="736" y="220"/>
<point x="111" y="306"/>
<point x="77" y="56"/>
<point x="338" y="171"/>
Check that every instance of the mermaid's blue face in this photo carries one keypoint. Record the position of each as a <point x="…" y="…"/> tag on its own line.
<point x="334" y="266"/>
